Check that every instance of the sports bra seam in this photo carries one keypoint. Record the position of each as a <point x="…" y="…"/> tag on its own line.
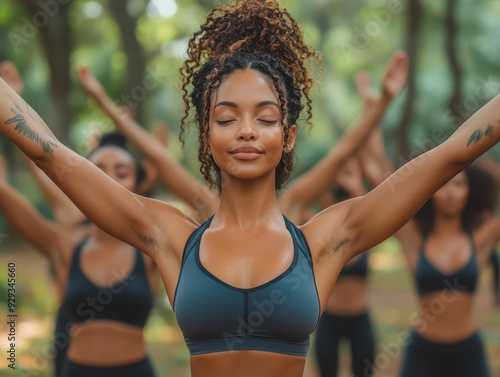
<point x="248" y="337"/>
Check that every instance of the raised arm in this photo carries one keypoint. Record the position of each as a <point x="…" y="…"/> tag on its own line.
<point x="116" y="210"/>
<point x="305" y="189"/>
<point x="367" y="221"/>
<point x="65" y="211"/>
<point x="350" y="178"/>
<point x="171" y="172"/>
<point x="9" y="73"/>
<point x="25" y="219"/>
<point x="160" y="131"/>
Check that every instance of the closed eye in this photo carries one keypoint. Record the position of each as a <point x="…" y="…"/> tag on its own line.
<point x="223" y="122"/>
<point x="271" y="122"/>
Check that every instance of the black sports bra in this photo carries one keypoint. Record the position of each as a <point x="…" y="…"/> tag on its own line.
<point x="128" y="301"/>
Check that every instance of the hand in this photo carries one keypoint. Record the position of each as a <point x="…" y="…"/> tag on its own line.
<point x="9" y="73"/>
<point x="365" y="90"/>
<point x="88" y="82"/>
<point x="394" y="78"/>
<point x="94" y="139"/>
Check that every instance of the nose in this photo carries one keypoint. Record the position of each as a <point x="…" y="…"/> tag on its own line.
<point x="246" y="130"/>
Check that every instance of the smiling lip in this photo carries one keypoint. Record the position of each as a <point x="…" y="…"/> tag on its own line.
<point x="246" y="153"/>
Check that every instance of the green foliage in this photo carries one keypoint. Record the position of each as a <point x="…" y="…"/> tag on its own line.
<point x="352" y="36"/>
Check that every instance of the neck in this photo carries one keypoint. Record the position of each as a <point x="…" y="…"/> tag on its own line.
<point x="448" y="223"/>
<point x="248" y="204"/>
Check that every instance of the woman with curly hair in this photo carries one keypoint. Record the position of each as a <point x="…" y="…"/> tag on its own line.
<point x="447" y="243"/>
<point x="247" y="286"/>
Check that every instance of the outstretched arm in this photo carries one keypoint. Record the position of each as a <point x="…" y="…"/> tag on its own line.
<point x="107" y="204"/>
<point x="374" y="162"/>
<point x="64" y="210"/>
<point x="367" y="221"/>
<point x="350" y="178"/>
<point x="313" y="183"/>
<point x="160" y="131"/>
<point x="171" y="172"/>
<point x="25" y="219"/>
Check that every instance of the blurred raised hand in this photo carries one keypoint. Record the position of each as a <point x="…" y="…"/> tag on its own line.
<point x="9" y="73"/>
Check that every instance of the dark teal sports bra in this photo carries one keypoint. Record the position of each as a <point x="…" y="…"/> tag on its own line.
<point x="429" y="279"/>
<point x="277" y="316"/>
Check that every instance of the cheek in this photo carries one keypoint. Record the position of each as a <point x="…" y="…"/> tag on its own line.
<point x="464" y="196"/>
<point x="129" y="182"/>
<point x="273" y="136"/>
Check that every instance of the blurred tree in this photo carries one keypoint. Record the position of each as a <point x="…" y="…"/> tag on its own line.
<point x="51" y="19"/>
<point x="127" y="18"/>
<point x="414" y="17"/>
<point x="453" y="60"/>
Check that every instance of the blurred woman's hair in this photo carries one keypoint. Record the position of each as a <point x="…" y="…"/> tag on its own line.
<point x="118" y="140"/>
<point x="481" y="202"/>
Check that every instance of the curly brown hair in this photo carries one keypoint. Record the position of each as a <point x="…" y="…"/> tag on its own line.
<point x="255" y="34"/>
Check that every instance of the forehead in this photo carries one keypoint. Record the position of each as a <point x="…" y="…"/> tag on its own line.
<point x="112" y="155"/>
<point x="246" y="86"/>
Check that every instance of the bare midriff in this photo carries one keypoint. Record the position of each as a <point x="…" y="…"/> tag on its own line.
<point x="246" y="364"/>
<point x="349" y="297"/>
<point x="445" y="317"/>
<point x="106" y="343"/>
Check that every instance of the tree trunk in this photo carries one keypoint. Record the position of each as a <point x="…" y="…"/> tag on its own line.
<point x="133" y="88"/>
<point x="456" y="69"/>
<point x="414" y="15"/>
<point x="56" y="36"/>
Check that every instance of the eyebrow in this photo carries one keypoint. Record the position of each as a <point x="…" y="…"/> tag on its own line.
<point x="234" y="105"/>
<point x="118" y="165"/>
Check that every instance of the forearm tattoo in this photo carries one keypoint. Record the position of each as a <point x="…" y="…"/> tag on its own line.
<point x="478" y="134"/>
<point x="23" y="128"/>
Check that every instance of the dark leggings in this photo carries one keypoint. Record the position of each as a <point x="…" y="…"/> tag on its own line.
<point x="141" y="368"/>
<point x="495" y="264"/>
<point x="462" y="359"/>
<point x="61" y="340"/>
<point x="358" y="330"/>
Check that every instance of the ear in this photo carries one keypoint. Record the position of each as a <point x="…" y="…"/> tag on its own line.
<point x="290" y="142"/>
